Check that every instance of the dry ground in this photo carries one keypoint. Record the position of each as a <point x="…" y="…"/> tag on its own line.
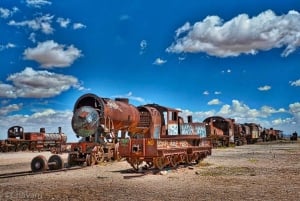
<point x="252" y="172"/>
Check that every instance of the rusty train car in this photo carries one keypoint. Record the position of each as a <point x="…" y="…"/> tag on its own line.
<point x="225" y="131"/>
<point x="151" y="134"/>
<point x="220" y="130"/>
<point x="18" y="140"/>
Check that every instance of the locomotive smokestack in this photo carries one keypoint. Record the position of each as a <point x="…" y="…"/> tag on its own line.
<point x="59" y="129"/>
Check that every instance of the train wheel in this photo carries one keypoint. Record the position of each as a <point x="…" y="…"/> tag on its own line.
<point x="189" y="158"/>
<point x="134" y="162"/>
<point x="55" y="162"/>
<point x="39" y="164"/>
<point x="149" y="164"/>
<point x="71" y="160"/>
<point x="159" y="162"/>
<point x="24" y="147"/>
<point x="198" y="157"/>
<point x="174" y="161"/>
<point x="97" y="155"/>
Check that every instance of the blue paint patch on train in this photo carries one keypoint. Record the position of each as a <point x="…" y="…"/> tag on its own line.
<point x="172" y="129"/>
<point x="187" y="129"/>
<point x="156" y="134"/>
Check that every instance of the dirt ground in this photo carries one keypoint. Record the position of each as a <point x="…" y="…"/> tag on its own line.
<point x="266" y="171"/>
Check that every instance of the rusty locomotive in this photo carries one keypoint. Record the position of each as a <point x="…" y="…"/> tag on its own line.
<point x="225" y="131"/>
<point x="18" y="140"/>
<point x="112" y="129"/>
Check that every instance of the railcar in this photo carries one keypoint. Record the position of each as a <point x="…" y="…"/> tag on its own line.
<point x="255" y="131"/>
<point x="220" y="130"/>
<point x="18" y="140"/>
<point x="164" y="139"/>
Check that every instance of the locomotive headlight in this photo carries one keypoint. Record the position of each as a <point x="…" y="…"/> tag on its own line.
<point x="85" y="121"/>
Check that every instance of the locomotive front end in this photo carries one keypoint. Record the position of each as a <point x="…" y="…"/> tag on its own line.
<point x="95" y="115"/>
<point x="85" y="121"/>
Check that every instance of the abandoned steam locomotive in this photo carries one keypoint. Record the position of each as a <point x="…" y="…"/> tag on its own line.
<point x="18" y="140"/>
<point x="150" y="133"/>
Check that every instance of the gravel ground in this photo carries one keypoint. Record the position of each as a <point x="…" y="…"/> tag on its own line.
<point x="266" y="171"/>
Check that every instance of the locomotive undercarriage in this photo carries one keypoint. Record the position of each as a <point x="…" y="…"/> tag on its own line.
<point x="92" y="153"/>
<point x="169" y="158"/>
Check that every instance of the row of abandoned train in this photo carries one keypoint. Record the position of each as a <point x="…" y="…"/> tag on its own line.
<point x="151" y="134"/>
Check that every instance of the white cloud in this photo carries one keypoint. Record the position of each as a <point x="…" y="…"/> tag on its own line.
<point x="51" y="54"/>
<point x="5" y="13"/>
<point x="159" y="61"/>
<point x="38" y="3"/>
<point x="143" y="46"/>
<point x="264" y="88"/>
<point x="240" y="35"/>
<point x="218" y="92"/>
<point x="10" y="108"/>
<point x="205" y="93"/>
<point x="214" y="102"/>
<point x="32" y="37"/>
<point x="42" y="23"/>
<point x="7" y="46"/>
<point x="78" y="26"/>
<point x="295" y="83"/>
<point x="63" y="22"/>
<point x="37" y="84"/>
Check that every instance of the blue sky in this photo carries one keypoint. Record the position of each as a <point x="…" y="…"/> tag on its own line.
<point x="237" y="59"/>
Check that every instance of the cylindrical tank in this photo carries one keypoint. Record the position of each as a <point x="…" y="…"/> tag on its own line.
<point x="55" y="137"/>
<point x="92" y="112"/>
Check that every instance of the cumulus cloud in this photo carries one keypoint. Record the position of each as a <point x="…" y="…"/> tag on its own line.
<point x="63" y="22"/>
<point x="7" y="46"/>
<point x="217" y="93"/>
<point x="159" y="61"/>
<point x="51" y="54"/>
<point x="240" y="35"/>
<point x="264" y="88"/>
<point x="42" y="23"/>
<point x="206" y="93"/>
<point x="5" y="13"/>
<point x="37" y="84"/>
<point x="38" y="3"/>
<point x="214" y="102"/>
<point x="295" y="83"/>
<point x="10" y="108"/>
<point x="78" y="26"/>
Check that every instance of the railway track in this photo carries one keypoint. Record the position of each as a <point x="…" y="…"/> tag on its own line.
<point x="26" y="173"/>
